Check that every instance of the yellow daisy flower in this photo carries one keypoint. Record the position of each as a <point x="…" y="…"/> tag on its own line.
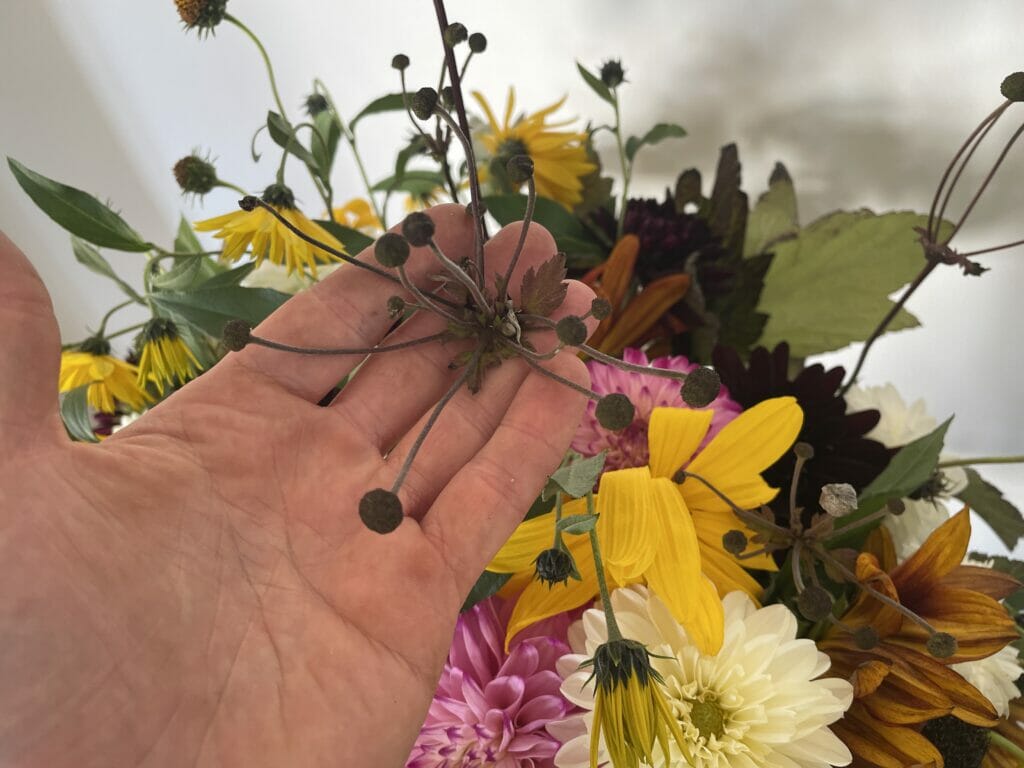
<point x="110" y="380"/>
<point x="665" y="534"/>
<point x="422" y="201"/>
<point x="268" y="237"/>
<point x="166" y="359"/>
<point x="357" y="213"/>
<point x="559" y="157"/>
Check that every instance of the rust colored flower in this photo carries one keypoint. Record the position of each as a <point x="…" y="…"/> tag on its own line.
<point x="1007" y="735"/>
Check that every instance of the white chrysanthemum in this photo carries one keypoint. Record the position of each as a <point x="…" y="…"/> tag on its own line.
<point x="276" y="276"/>
<point x="755" y="703"/>
<point x="995" y="676"/>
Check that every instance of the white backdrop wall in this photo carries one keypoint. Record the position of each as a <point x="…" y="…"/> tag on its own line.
<point x="864" y="102"/>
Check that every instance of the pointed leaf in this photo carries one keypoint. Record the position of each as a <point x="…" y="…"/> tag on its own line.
<point x="229" y="277"/>
<point x="774" y="218"/>
<point x="186" y="273"/>
<point x="543" y="290"/>
<point x="186" y="241"/>
<point x="392" y="102"/>
<point x="210" y="308"/>
<point x="285" y="138"/>
<point x="488" y="584"/>
<point x="91" y="258"/>
<point x="659" y="132"/>
<point x="74" y="410"/>
<point x="596" y="84"/>
<point x="324" y="143"/>
<point x="577" y="524"/>
<point x="78" y="212"/>
<point x="987" y="500"/>
<point x="577" y="478"/>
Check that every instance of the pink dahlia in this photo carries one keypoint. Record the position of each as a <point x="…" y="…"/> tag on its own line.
<point x="628" y="448"/>
<point x="492" y="708"/>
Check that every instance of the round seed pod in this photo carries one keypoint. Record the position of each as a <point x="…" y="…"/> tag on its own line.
<point x="454" y="34"/>
<point x="734" y="542"/>
<point x="423" y="103"/>
<point x="391" y="250"/>
<point x="941" y="645"/>
<point x="380" y="510"/>
<point x="400" y="61"/>
<point x="614" y="412"/>
<point x="865" y="638"/>
<point x="1013" y="86"/>
<point x="418" y="229"/>
<point x="519" y="168"/>
<point x="571" y="330"/>
<point x="815" y="603"/>
<point x="600" y="308"/>
<point x="235" y="335"/>
<point x="803" y="451"/>
<point x="702" y="385"/>
<point x="477" y="42"/>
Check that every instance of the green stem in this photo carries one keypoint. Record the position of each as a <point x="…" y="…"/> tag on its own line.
<point x="981" y="460"/>
<point x="1004" y="743"/>
<point x="229" y="185"/>
<point x="266" y="61"/>
<point x="626" y="168"/>
<point x="123" y="331"/>
<point x="606" y="599"/>
<point x="106" y="317"/>
<point x="558" y="516"/>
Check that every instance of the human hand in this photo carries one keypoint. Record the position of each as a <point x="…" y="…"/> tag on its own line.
<point x="199" y="590"/>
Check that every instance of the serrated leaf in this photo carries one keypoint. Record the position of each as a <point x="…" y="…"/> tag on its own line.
<point x="74" y="411"/>
<point x="543" y="290"/>
<point x="987" y="500"/>
<point x="392" y="102"/>
<point x="488" y="584"/>
<point x="78" y="212"/>
<point x="91" y="258"/>
<point x="829" y="286"/>
<point x="577" y="478"/>
<point x="186" y="241"/>
<point x="285" y="138"/>
<point x="774" y="218"/>
<point x="577" y="524"/>
<point x="659" y="132"/>
<point x="907" y="471"/>
<point x="209" y="308"/>
<point x="353" y="240"/>
<point x="596" y="84"/>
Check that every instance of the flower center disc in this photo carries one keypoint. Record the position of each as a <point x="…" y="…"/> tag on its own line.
<point x="708" y="718"/>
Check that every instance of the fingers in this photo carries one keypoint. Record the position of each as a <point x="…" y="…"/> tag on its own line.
<point x="478" y="510"/>
<point x="29" y="350"/>
<point x="346" y="310"/>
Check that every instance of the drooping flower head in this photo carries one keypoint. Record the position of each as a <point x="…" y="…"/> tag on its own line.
<point x="110" y="380"/>
<point x="491" y="707"/>
<point x="761" y="700"/>
<point x="201" y="15"/>
<point x="559" y="157"/>
<point x="628" y="447"/>
<point x="268" y="237"/>
<point x="166" y="360"/>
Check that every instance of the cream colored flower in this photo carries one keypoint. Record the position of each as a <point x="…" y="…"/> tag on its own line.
<point x="995" y="676"/>
<point x="760" y="701"/>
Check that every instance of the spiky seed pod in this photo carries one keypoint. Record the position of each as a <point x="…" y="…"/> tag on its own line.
<point x="418" y="229"/>
<point x="391" y="250"/>
<point x="380" y="510"/>
<point x="202" y="15"/>
<point x="614" y="411"/>
<point x="235" y="335"/>
<point x="612" y="73"/>
<point x="279" y="195"/>
<point x="702" y="385"/>
<point x="195" y="175"/>
<point x="553" y="566"/>
<point x="316" y="103"/>
<point x="396" y="306"/>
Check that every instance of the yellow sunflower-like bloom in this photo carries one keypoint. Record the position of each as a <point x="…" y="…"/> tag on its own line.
<point x="665" y="534"/>
<point x="357" y="213"/>
<point x="166" y="359"/>
<point x="559" y="157"/>
<point x="110" y="380"/>
<point x="269" y="238"/>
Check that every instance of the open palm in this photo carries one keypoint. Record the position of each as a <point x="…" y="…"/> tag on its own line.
<point x="199" y="589"/>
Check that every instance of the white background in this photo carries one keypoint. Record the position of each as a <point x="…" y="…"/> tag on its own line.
<point x="864" y="102"/>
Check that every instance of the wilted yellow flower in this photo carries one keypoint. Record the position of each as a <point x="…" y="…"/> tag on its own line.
<point x="109" y="380"/>
<point x="166" y="359"/>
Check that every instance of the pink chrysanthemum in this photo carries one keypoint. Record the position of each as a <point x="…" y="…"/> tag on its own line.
<point x="628" y="448"/>
<point x="491" y="708"/>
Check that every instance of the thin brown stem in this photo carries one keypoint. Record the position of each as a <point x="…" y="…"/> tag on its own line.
<point x="622" y="365"/>
<point x="345" y="351"/>
<point x="561" y="379"/>
<point x="531" y="202"/>
<point x="994" y="248"/>
<point x="752" y="520"/>
<point x="428" y="301"/>
<point x="460" y="274"/>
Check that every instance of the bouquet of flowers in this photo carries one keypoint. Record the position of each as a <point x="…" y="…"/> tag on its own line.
<point x="745" y="559"/>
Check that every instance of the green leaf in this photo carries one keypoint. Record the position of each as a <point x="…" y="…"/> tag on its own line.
<point x="488" y="584"/>
<point x="577" y="478"/>
<point x="186" y="240"/>
<point x="540" y="506"/>
<point x="285" y="138"/>
<point x="78" y="212"/>
<point x="987" y="500"/>
<point x="416" y="182"/>
<point x="569" y="233"/>
<point x="728" y="208"/>
<point x="829" y="286"/>
<point x="74" y="410"/>
<point x="323" y="152"/>
<point x="908" y="470"/>
<point x="774" y="218"/>
<point x="210" y="308"/>
<point x="543" y="290"/>
<point x="89" y="257"/>
<point x="229" y="277"/>
<point x="659" y="132"/>
<point x="186" y="273"/>
<point x="577" y="524"/>
<point x="596" y="84"/>
<point x="393" y="102"/>
<point x="353" y="240"/>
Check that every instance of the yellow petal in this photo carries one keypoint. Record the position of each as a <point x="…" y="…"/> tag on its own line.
<point x="712" y="526"/>
<point x="675" y="572"/>
<point x="625" y="527"/>
<point x="941" y="552"/>
<point x="706" y="627"/>
<point x="531" y="538"/>
<point x="673" y="437"/>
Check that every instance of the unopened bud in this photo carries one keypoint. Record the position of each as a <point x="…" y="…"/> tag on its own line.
<point x="391" y="250"/>
<point x="612" y="73"/>
<point x="803" y="451"/>
<point x="814" y="603"/>
<point x="316" y="103"/>
<point x="519" y="168"/>
<point x="734" y="542"/>
<point x="477" y="42"/>
<point x="380" y="510"/>
<point x="941" y="645"/>
<point x="571" y="330"/>
<point x="701" y="386"/>
<point x="614" y="412"/>
<point x="235" y="335"/>
<point x="418" y="229"/>
<point x="454" y="34"/>
<point x="423" y="103"/>
<point x="600" y="308"/>
<point x="865" y="638"/>
<point x="280" y="196"/>
<point x="838" y="499"/>
<point x="553" y="566"/>
<point x="400" y="61"/>
<point x="1013" y="87"/>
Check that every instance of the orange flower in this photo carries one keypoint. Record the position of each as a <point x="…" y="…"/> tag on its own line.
<point x="1012" y="730"/>
<point x="897" y="684"/>
<point x="630" y="325"/>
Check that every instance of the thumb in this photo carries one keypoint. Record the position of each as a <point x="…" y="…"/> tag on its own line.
<point x="29" y="350"/>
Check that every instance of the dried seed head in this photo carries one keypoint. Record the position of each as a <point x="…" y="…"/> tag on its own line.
<point x="865" y="638"/>
<point x="614" y="412"/>
<point x="734" y="542"/>
<point x="838" y="499"/>
<point x="248" y="203"/>
<point x="941" y="645"/>
<point x="803" y="451"/>
<point x="380" y="510"/>
<point x="418" y="229"/>
<point x="195" y="175"/>
<point x="702" y="385"/>
<point x="454" y="34"/>
<point x="235" y="335"/>
<point x="400" y="61"/>
<point x="1013" y="87"/>
<point x="519" y="168"/>
<point x="477" y="42"/>
<point x="391" y="250"/>
<point x="600" y="308"/>
<point x="571" y="330"/>
<point x="423" y="103"/>
<point x="814" y="603"/>
<point x="202" y="15"/>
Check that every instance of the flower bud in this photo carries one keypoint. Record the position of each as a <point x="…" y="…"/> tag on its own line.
<point x="454" y="34"/>
<point x="203" y="15"/>
<point x="279" y="196"/>
<point x="612" y="73"/>
<point x="838" y="499"/>
<point x="519" y="168"/>
<point x="391" y="250"/>
<point x="380" y="510"/>
<point x="477" y="42"/>
<point x="195" y="175"/>
<point x="814" y="603"/>
<point x="803" y="451"/>
<point x="1013" y="87"/>
<point x="941" y="645"/>
<point x="600" y="308"/>
<point x="701" y="386"/>
<point x="316" y="103"/>
<point x="235" y="335"/>
<point x="571" y="330"/>
<point x="423" y="103"/>
<point x="865" y="638"/>
<point x="734" y="542"/>
<point x="614" y="412"/>
<point x="553" y="566"/>
<point x="418" y="229"/>
<point x="400" y="61"/>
